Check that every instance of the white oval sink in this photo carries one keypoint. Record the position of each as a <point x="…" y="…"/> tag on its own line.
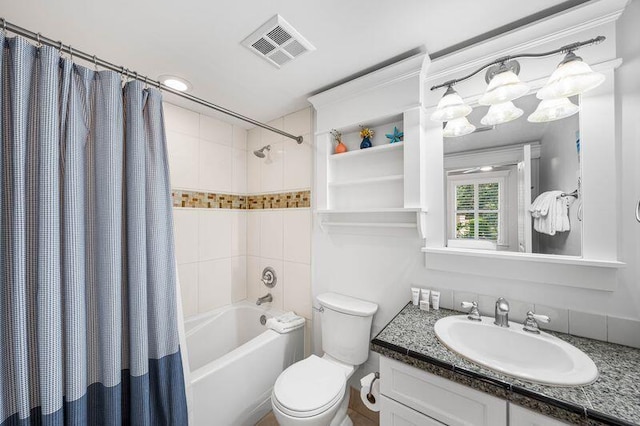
<point x="540" y="358"/>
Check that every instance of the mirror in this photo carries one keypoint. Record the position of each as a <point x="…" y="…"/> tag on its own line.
<point x="515" y="186"/>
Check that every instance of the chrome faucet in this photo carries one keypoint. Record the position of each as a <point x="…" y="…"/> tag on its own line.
<point x="264" y="299"/>
<point x="502" y="312"/>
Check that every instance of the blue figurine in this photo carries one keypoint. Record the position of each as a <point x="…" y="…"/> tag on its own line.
<point x="396" y="136"/>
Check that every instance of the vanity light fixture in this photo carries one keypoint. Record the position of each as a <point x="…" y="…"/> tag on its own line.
<point x="501" y="113"/>
<point x="177" y="83"/>
<point x="552" y="110"/>
<point x="572" y="77"/>
<point x="451" y="106"/>
<point x="504" y="84"/>
<point x="458" y="127"/>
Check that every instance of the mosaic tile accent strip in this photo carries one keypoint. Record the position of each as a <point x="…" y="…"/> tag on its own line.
<point x="210" y="200"/>
<point x="207" y="200"/>
<point x="284" y="200"/>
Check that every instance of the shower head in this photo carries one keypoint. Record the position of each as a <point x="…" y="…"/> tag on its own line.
<point x="260" y="152"/>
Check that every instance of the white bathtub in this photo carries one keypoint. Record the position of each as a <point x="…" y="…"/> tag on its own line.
<point x="234" y="362"/>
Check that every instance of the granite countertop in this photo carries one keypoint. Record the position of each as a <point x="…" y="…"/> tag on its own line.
<point x="613" y="399"/>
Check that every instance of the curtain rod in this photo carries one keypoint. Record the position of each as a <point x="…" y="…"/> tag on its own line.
<point x="40" y="39"/>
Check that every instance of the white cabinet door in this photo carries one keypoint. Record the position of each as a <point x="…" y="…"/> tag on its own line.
<point x="393" y="413"/>
<point x="448" y="402"/>
<point x="519" y="416"/>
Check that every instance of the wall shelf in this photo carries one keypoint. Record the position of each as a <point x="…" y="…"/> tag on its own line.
<point x="367" y="181"/>
<point x="388" y="221"/>
<point x="368" y="151"/>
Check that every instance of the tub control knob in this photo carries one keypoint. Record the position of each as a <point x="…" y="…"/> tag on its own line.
<point x="269" y="277"/>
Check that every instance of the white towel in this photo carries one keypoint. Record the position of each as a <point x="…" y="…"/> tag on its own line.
<point x="550" y="212"/>
<point x="285" y="323"/>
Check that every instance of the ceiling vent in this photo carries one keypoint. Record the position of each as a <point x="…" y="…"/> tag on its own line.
<point x="277" y="42"/>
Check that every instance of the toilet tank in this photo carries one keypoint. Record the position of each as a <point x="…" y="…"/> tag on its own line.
<point x="346" y="327"/>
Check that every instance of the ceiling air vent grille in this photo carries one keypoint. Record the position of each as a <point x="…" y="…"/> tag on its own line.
<point x="277" y="42"/>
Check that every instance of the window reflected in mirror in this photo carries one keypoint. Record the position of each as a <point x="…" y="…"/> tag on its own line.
<point x="516" y="186"/>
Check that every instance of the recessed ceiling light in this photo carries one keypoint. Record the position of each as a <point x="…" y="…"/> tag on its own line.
<point x="486" y="168"/>
<point x="176" y="83"/>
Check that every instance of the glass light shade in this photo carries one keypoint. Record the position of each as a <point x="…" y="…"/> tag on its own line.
<point x="450" y="107"/>
<point x="501" y="113"/>
<point x="503" y="87"/>
<point x="569" y="79"/>
<point x="553" y="109"/>
<point x="458" y="127"/>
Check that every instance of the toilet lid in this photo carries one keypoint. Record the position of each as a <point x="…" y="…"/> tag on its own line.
<point x="309" y="387"/>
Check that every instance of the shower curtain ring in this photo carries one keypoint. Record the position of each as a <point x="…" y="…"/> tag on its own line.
<point x="60" y="47"/>
<point x="146" y="85"/>
<point x="71" y="53"/>
<point x="95" y="63"/>
<point x="39" y="43"/>
<point x="4" y="26"/>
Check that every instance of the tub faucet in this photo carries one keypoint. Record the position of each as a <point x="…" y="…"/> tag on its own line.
<point x="502" y="312"/>
<point x="263" y="299"/>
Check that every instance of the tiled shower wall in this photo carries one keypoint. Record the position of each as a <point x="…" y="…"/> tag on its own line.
<point x="281" y="237"/>
<point x="209" y="156"/>
<point x="234" y="213"/>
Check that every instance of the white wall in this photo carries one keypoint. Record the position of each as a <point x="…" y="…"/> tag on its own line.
<point x="281" y="238"/>
<point x="209" y="155"/>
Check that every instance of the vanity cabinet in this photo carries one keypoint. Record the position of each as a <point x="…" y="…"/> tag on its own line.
<point x="411" y="396"/>
<point x="421" y="398"/>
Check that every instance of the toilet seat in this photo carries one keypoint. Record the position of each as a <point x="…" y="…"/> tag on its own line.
<point x="309" y="387"/>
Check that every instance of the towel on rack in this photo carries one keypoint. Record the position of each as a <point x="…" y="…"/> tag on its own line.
<point x="285" y="323"/>
<point x="550" y="213"/>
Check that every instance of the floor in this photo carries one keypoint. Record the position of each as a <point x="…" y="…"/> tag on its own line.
<point x="359" y="414"/>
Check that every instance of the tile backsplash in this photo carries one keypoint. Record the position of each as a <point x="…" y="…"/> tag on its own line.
<point x="607" y="328"/>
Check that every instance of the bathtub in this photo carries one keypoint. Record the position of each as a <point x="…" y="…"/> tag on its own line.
<point x="234" y="362"/>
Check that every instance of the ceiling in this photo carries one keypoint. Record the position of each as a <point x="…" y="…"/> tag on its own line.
<point x="200" y="39"/>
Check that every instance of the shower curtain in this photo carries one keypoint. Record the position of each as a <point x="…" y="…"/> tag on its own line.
<point x="88" y="323"/>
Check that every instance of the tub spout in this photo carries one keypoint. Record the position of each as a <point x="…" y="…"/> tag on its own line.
<point x="264" y="299"/>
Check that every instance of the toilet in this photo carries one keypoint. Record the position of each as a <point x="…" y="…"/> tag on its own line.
<point x="314" y="391"/>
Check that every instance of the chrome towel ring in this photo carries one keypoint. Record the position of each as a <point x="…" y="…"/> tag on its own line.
<point x="638" y="211"/>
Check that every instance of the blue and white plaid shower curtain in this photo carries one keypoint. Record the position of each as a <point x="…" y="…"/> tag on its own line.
<point x="88" y="323"/>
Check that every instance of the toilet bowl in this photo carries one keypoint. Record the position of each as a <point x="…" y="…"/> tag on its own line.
<point x="314" y="392"/>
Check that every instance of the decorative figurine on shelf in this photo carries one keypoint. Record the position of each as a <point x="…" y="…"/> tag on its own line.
<point x="396" y="136"/>
<point x="366" y="134"/>
<point x="340" y="147"/>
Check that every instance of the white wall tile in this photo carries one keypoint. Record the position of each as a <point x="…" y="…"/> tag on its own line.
<point x="254" y="285"/>
<point x="215" y="163"/>
<point x="185" y="230"/>
<point x="297" y="235"/>
<point x="214" y="130"/>
<point x="446" y="297"/>
<point x="297" y="164"/>
<point x="297" y="288"/>
<point x="298" y="123"/>
<point x="178" y="119"/>
<point x="559" y="318"/>
<point x="487" y="304"/>
<point x="308" y="328"/>
<point x="214" y="284"/>
<point x="238" y="233"/>
<point x="214" y="237"/>
<point x="238" y="278"/>
<point x="623" y="331"/>
<point x="254" y="219"/>
<point x="254" y="165"/>
<point x="239" y="138"/>
<point x="188" y="277"/>
<point x="271" y="234"/>
<point x="277" y="292"/>
<point x="239" y="167"/>
<point x="518" y="310"/>
<point x="584" y="324"/>
<point x="268" y="137"/>
<point x="254" y="139"/>
<point x="183" y="151"/>
<point x="272" y="169"/>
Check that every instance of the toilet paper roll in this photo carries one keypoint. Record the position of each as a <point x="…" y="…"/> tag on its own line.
<point x="365" y="386"/>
